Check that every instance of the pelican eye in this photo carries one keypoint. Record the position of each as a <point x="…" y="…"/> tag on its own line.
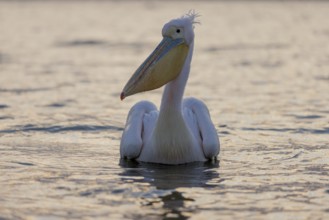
<point x="178" y="31"/>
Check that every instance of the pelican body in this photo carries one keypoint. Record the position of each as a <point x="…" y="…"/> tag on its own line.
<point x="182" y="130"/>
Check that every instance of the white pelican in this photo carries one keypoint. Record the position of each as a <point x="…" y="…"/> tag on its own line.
<point x="182" y="131"/>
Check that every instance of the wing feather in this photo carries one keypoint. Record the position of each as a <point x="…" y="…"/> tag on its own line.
<point x="132" y="136"/>
<point x="207" y="131"/>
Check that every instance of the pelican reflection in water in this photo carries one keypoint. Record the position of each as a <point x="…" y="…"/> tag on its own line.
<point x="182" y="130"/>
<point x="169" y="186"/>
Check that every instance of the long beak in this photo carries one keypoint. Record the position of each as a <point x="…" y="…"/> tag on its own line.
<point x="162" y="66"/>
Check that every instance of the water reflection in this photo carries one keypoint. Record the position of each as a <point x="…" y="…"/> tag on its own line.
<point x="167" y="181"/>
<point x="171" y="177"/>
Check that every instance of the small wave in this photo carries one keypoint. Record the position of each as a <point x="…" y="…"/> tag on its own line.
<point x="28" y="90"/>
<point x="56" y="105"/>
<point x="3" y="106"/>
<point x="79" y="43"/>
<point x="24" y="163"/>
<point x="5" y="117"/>
<point x="248" y="47"/>
<point x="57" y="128"/>
<point x="59" y="104"/>
<point x="305" y="116"/>
<point x="292" y="130"/>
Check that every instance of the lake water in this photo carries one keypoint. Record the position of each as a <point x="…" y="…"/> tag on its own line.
<point x="262" y="68"/>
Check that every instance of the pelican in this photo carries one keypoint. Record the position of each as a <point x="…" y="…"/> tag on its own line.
<point x="182" y="130"/>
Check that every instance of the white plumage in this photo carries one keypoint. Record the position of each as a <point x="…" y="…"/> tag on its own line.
<point x="182" y="131"/>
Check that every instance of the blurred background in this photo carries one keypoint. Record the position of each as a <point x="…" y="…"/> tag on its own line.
<point x="262" y="68"/>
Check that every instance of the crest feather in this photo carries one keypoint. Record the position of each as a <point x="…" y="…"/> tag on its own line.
<point x="192" y="16"/>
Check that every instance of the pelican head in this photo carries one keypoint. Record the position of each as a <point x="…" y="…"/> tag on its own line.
<point x="167" y="60"/>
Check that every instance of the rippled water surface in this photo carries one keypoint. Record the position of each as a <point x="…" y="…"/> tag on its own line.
<point x="261" y="67"/>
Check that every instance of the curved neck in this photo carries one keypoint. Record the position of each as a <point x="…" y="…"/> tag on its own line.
<point x="173" y="93"/>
